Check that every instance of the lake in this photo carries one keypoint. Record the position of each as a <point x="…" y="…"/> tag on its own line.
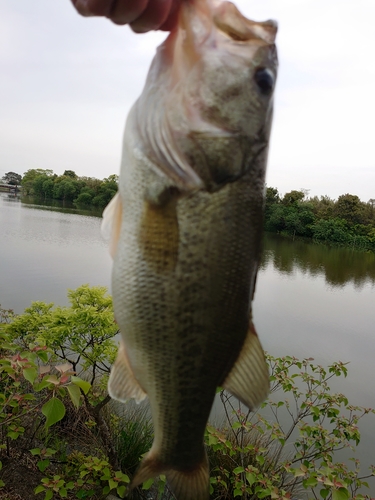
<point x="311" y="300"/>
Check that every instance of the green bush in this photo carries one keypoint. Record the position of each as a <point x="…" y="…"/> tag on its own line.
<point x="288" y="448"/>
<point x="54" y="407"/>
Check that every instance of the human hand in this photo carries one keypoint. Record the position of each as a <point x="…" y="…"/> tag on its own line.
<point x="141" y="15"/>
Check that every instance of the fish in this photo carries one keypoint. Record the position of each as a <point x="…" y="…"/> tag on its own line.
<point x="185" y="232"/>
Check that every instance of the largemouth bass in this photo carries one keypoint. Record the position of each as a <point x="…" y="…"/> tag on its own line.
<point x="186" y="227"/>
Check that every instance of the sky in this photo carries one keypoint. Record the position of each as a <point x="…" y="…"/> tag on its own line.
<point x="68" y="82"/>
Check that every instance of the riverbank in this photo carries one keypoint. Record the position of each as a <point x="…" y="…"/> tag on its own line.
<point x="347" y="221"/>
<point x="82" y="191"/>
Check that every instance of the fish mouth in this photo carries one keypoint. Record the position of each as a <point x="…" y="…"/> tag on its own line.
<point x="230" y="21"/>
<point x="227" y="18"/>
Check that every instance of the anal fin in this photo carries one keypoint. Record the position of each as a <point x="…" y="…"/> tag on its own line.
<point x="122" y="384"/>
<point x="248" y="379"/>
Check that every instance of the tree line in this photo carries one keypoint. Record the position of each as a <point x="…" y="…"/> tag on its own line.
<point x="347" y="221"/>
<point x="46" y="185"/>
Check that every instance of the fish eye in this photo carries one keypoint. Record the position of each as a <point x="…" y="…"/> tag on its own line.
<point x="265" y="80"/>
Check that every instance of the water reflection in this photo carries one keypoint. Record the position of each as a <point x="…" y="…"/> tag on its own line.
<point x="58" y="206"/>
<point x="11" y="197"/>
<point x="339" y="266"/>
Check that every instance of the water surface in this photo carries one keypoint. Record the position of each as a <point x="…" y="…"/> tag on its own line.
<point x="311" y="300"/>
<point x="44" y="252"/>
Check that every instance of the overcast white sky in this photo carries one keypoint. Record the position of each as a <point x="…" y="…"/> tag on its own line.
<point x="67" y="83"/>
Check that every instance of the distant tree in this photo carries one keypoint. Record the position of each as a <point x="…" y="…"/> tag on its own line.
<point x="84" y="198"/>
<point x="113" y="178"/>
<point x="335" y="230"/>
<point x="305" y="191"/>
<point x="47" y="187"/>
<point x="106" y="191"/>
<point x="12" y="178"/>
<point x="371" y="204"/>
<point x="92" y="183"/>
<point x="29" y="177"/>
<point x="272" y="196"/>
<point x="65" y="189"/>
<point x="70" y="173"/>
<point x="350" y="208"/>
<point x="293" y="197"/>
<point x="298" y="220"/>
<point x="323" y="207"/>
<point x="40" y="185"/>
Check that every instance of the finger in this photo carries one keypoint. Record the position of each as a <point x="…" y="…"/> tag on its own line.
<point x="93" y="7"/>
<point x="155" y="14"/>
<point x="127" y="11"/>
<point x="172" y="18"/>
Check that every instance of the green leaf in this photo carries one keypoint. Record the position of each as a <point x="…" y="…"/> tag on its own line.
<point x="43" y="464"/>
<point x="13" y="435"/>
<point x="264" y="494"/>
<point x="43" y="355"/>
<point x="53" y="410"/>
<point x="7" y="345"/>
<point x="49" y="495"/>
<point x="42" y="384"/>
<point x="75" y="394"/>
<point x="311" y="482"/>
<point x="340" y="494"/>
<point x="112" y="483"/>
<point x="122" y="477"/>
<point x="324" y="493"/>
<point x="30" y="374"/>
<point x="39" y="489"/>
<point x="238" y="470"/>
<point x="121" y="491"/>
<point x="250" y="478"/>
<point x="82" y="384"/>
<point x="147" y="484"/>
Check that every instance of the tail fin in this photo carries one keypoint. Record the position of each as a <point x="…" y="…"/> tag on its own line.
<point x="191" y="484"/>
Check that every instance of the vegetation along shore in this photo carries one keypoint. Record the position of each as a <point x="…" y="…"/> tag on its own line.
<point x="347" y="221"/>
<point x="64" y="436"/>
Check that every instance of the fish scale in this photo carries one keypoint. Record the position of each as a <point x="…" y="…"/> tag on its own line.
<point x="186" y="230"/>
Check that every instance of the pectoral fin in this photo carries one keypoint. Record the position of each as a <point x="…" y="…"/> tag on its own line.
<point x="122" y="384"/>
<point x="249" y="378"/>
<point x="111" y="224"/>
